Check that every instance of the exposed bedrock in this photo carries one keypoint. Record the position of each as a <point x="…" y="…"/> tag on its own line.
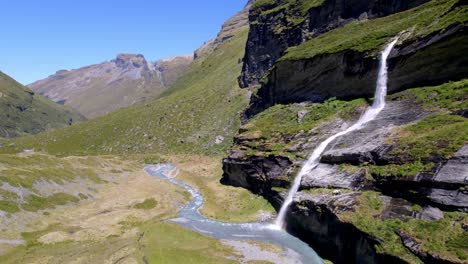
<point x="432" y="60"/>
<point x="316" y="217"/>
<point x="271" y="33"/>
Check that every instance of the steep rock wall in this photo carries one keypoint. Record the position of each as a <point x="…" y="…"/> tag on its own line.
<point x="272" y="30"/>
<point x="351" y="74"/>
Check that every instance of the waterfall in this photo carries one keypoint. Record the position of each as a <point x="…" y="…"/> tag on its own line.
<point x="370" y="114"/>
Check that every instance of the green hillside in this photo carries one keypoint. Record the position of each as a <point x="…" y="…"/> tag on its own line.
<point x="199" y="114"/>
<point x="24" y="112"/>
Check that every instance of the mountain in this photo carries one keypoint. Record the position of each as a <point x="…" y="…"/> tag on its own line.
<point x="392" y="191"/>
<point x="60" y="205"/>
<point x="228" y="30"/>
<point x="102" y="88"/>
<point x="24" y="112"/>
<point x="198" y="114"/>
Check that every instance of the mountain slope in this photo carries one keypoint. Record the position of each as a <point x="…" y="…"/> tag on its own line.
<point x="199" y="114"/>
<point x="25" y="112"/>
<point x="102" y="88"/>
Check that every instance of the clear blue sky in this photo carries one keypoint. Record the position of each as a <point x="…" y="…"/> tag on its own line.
<point x="39" y="37"/>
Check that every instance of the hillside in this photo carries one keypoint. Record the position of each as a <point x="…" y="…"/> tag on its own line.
<point x="392" y="189"/>
<point x="199" y="114"/>
<point x="24" y="112"/>
<point x="102" y="88"/>
<point x="55" y="208"/>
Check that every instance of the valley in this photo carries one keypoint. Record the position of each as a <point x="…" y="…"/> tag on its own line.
<point x="305" y="132"/>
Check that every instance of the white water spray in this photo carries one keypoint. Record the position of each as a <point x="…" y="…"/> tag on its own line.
<point x="369" y="114"/>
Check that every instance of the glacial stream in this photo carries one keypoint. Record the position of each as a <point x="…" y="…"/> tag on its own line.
<point x="191" y="218"/>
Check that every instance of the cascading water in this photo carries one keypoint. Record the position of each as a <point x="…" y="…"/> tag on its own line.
<point x="369" y="114"/>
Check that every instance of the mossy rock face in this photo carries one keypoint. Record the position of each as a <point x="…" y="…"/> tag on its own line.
<point x="344" y="62"/>
<point x="278" y="25"/>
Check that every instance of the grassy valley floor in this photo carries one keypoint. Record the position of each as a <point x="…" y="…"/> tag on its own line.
<point x="122" y="217"/>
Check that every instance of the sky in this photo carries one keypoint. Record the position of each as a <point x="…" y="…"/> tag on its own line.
<point x="39" y="37"/>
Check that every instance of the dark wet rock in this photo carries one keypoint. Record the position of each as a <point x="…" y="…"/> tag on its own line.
<point x="258" y="174"/>
<point x="398" y="208"/>
<point x="454" y="171"/>
<point x="463" y="112"/>
<point x="315" y="219"/>
<point x="449" y="198"/>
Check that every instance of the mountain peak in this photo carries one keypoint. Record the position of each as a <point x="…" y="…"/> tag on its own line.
<point x="125" y="59"/>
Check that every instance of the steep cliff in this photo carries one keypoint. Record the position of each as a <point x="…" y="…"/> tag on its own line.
<point x="392" y="192"/>
<point x="342" y="63"/>
<point x="278" y="25"/>
<point x="376" y="189"/>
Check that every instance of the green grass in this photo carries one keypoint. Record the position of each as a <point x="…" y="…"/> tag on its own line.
<point x="436" y="136"/>
<point x="67" y="252"/>
<point x="399" y="170"/>
<point x="27" y="170"/>
<point x="9" y="206"/>
<point x="272" y="127"/>
<point x="34" y="203"/>
<point x="171" y="243"/>
<point x="147" y="204"/>
<point x="445" y="237"/>
<point x="370" y="36"/>
<point x="23" y="112"/>
<point x="223" y="203"/>
<point x="450" y="96"/>
<point x="23" y="173"/>
<point x="292" y="11"/>
<point x="204" y="103"/>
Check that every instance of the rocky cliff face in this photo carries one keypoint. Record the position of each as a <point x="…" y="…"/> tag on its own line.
<point x="278" y="25"/>
<point x="99" y="89"/>
<point x="348" y="74"/>
<point x="390" y="192"/>
<point x="405" y="184"/>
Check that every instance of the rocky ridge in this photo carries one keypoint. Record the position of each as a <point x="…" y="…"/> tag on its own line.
<point x="229" y="29"/>
<point x="99" y="89"/>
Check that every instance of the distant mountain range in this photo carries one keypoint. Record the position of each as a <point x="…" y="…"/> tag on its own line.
<point x="102" y="88"/>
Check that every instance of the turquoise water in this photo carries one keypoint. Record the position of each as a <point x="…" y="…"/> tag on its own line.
<point x="191" y="218"/>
